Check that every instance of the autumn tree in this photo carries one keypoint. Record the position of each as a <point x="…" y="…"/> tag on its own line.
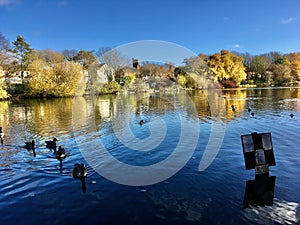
<point x="227" y="66"/>
<point x="282" y="74"/>
<point x="259" y="69"/>
<point x="179" y="71"/>
<point x="112" y="57"/>
<point x="155" y="69"/>
<point x="5" y="50"/>
<point x="21" y="49"/>
<point x="53" y="77"/>
<point x="198" y="73"/>
<point x="294" y="59"/>
<point x="273" y="56"/>
<point x="49" y="56"/>
<point x="85" y="58"/>
<point x="69" y="55"/>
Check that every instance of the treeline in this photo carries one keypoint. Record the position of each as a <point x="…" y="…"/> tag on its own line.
<point x="46" y="73"/>
<point x="232" y="69"/>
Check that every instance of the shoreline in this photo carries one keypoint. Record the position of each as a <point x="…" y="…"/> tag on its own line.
<point x="17" y="97"/>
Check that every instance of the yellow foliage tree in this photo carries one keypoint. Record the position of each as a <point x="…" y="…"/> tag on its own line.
<point x="54" y="80"/>
<point x="294" y="59"/>
<point x="181" y="80"/>
<point x="227" y="66"/>
<point x="3" y="92"/>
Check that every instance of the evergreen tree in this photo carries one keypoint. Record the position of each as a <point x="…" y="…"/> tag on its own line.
<point x="21" y="49"/>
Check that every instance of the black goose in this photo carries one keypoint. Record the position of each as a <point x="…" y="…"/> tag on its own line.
<point x="51" y="144"/>
<point x="1" y="135"/>
<point x="60" y="154"/>
<point x="232" y="108"/>
<point x="142" y="122"/>
<point x="292" y="115"/>
<point x="30" y="145"/>
<point x="79" y="172"/>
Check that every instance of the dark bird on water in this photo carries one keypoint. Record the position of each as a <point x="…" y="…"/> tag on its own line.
<point x="60" y="154"/>
<point x="80" y="172"/>
<point x="233" y="108"/>
<point x="30" y="145"/>
<point x="249" y="110"/>
<point x="292" y="115"/>
<point x="142" y="122"/>
<point x="252" y="114"/>
<point x="1" y="135"/>
<point x="51" y="144"/>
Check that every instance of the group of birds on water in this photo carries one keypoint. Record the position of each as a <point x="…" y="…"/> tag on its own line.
<point x="79" y="169"/>
<point x="249" y="110"/>
<point x="252" y="113"/>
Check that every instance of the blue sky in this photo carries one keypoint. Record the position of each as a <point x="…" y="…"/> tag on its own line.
<point x="202" y="26"/>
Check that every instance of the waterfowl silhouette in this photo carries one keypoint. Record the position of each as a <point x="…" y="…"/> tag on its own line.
<point x="292" y="115"/>
<point x="79" y="172"/>
<point x="1" y="135"/>
<point x="142" y="122"/>
<point x="249" y="110"/>
<point x="51" y="144"/>
<point x="30" y="145"/>
<point x="252" y="114"/>
<point x="60" y="154"/>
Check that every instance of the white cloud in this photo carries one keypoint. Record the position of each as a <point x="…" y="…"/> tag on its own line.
<point x="8" y="2"/>
<point x="286" y="21"/>
<point x="236" y="46"/>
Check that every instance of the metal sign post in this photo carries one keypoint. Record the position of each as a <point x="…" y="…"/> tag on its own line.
<point x="259" y="155"/>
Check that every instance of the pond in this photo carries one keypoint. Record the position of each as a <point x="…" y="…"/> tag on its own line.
<point x="183" y="165"/>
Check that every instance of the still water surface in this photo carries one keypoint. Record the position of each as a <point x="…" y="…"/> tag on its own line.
<point x="34" y="190"/>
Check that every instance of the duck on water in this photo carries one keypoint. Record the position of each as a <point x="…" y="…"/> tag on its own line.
<point x="30" y="145"/>
<point x="60" y="155"/>
<point x="51" y="144"/>
<point x="80" y="172"/>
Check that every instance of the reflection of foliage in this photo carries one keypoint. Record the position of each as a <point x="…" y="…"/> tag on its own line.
<point x="40" y="116"/>
<point x="4" y="105"/>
